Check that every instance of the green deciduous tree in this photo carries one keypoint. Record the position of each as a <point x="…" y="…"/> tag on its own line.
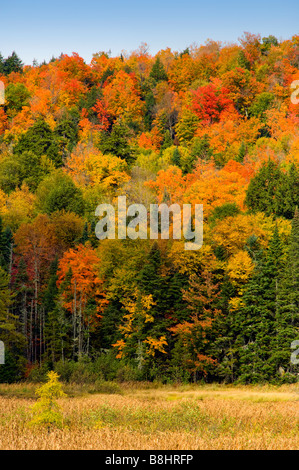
<point x="57" y="192"/>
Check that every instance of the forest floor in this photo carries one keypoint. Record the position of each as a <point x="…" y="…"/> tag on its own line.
<point x="156" y="417"/>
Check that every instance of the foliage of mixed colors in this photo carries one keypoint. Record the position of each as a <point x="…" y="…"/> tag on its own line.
<point x="213" y="125"/>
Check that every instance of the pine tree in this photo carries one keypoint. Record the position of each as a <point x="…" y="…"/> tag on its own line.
<point x="242" y="61"/>
<point x="167" y="141"/>
<point x="1" y="64"/>
<point x="13" y="340"/>
<point x="168" y="307"/>
<point x="85" y="234"/>
<point x="88" y="234"/>
<point x="262" y="190"/>
<point x="149" y="109"/>
<point x="64" y="329"/>
<point x="288" y="193"/>
<point x="116" y="143"/>
<point x="149" y="278"/>
<point x="92" y="235"/>
<point x="255" y="321"/>
<point x="40" y="140"/>
<point x="6" y="248"/>
<point x="8" y="244"/>
<point x="13" y="64"/>
<point x="274" y="192"/>
<point x="176" y="157"/>
<point x="242" y="152"/>
<point x="2" y="245"/>
<point x="158" y="72"/>
<point x="23" y="295"/>
<point x="223" y="334"/>
<point x="57" y="325"/>
<point x="66" y="135"/>
<point x="51" y="292"/>
<point x="287" y="317"/>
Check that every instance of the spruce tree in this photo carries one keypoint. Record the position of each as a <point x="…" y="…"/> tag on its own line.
<point x="6" y="246"/>
<point x="288" y="193"/>
<point x="176" y="157"/>
<point x="12" y="338"/>
<point x="13" y="64"/>
<point x="255" y="321"/>
<point x="158" y="72"/>
<point x="85" y="235"/>
<point x="150" y="103"/>
<point x="261" y="194"/>
<point x="117" y="143"/>
<point x="223" y="334"/>
<point x="1" y="64"/>
<point x="242" y="152"/>
<point x="23" y="294"/>
<point x="287" y="317"/>
<point x="66" y="134"/>
<point x="58" y="323"/>
<point x="2" y="244"/>
<point x="40" y="140"/>
<point x="273" y="192"/>
<point x="166" y="290"/>
<point x="167" y="141"/>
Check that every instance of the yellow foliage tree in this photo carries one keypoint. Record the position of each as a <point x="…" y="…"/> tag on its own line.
<point x="46" y="411"/>
<point x="134" y="325"/>
<point x="232" y="233"/>
<point x="19" y="207"/>
<point x="239" y="267"/>
<point x="89" y="167"/>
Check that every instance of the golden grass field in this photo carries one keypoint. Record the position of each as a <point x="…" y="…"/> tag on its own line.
<point x="148" y="417"/>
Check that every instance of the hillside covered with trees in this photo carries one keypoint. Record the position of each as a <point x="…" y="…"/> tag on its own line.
<point x="212" y="125"/>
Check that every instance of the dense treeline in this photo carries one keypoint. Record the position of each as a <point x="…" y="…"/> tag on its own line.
<point x="212" y="125"/>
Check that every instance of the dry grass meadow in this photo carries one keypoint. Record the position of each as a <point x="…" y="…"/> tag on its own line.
<point x="144" y="417"/>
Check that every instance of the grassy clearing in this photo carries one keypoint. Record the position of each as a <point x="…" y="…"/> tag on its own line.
<point x="157" y="417"/>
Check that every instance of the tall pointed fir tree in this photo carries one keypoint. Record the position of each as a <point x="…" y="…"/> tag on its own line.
<point x="12" y="338"/>
<point x="255" y="320"/>
<point x="287" y="317"/>
<point x="23" y="299"/>
<point x="6" y="247"/>
<point x="158" y="71"/>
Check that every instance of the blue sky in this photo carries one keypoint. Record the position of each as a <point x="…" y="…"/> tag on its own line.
<point x="38" y="29"/>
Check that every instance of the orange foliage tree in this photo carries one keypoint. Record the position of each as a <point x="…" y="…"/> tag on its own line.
<point x="81" y="291"/>
<point x="121" y="97"/>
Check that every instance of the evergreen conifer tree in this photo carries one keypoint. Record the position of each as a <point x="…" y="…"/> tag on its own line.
<point x="255" y="321"/>
<point x="287" y="316"/>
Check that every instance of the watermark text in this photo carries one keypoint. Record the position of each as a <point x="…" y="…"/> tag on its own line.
<point x="173" y="221"/>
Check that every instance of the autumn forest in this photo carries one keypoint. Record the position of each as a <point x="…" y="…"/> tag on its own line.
<point x="214" y="125"/>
